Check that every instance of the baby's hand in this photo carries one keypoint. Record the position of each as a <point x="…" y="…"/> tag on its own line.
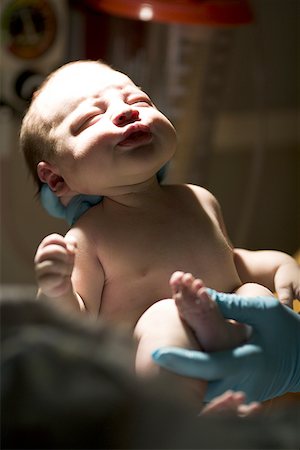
<point x="54" y="262"/>
<point x="287" y="283"/>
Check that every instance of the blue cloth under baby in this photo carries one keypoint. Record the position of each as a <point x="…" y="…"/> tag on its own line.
<point x="78" y="205"/>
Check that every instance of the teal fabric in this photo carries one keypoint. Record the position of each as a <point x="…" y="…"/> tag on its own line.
<point x="71" y="213"/>
<point x="78" y="205"/>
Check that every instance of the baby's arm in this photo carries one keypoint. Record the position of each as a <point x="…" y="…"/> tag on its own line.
<point x="68" y="272"/>
<point x="275" y="270"/>
<point x="54" y="262"/>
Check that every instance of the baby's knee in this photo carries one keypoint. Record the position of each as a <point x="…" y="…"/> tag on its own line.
<point x="253" y="290"/>
<point x="161" y="326"/>
<point x="160" y="316"/>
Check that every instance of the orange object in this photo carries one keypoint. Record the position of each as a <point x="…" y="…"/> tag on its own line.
<point x="206" y="12"/>
<point x="296" y="306"/>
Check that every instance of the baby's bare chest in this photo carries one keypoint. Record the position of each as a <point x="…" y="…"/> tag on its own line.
<point x="139" y="260"/>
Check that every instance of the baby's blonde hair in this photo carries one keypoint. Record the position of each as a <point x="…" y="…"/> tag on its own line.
<point x="36" y="140"/>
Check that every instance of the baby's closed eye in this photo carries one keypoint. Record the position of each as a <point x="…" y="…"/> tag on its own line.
<point x="85" y="120"/>
<point x="139" y="100"/>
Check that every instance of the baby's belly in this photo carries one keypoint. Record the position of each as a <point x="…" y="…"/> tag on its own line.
<point x="125" y="300"/>
<point x="130" y="293"/>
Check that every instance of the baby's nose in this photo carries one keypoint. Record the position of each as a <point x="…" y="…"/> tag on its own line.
<point x="125" y="117"/>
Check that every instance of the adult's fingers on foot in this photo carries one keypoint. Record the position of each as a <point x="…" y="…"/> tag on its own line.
<point x="250" y="310"/>
<point x="208" y="366"/>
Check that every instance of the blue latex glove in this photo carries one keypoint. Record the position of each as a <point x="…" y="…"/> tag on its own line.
<point x="266" y="367"/>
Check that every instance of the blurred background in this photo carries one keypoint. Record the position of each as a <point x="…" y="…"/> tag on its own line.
<point x="225" y="72"/>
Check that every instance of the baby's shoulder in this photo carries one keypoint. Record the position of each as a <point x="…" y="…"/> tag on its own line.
<point x="201" y="192"/>
<point x="184" y="191"/>
<point x="86" y="230"/>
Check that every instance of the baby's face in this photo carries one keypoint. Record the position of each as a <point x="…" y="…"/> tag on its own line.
<point x="109" y="132"/>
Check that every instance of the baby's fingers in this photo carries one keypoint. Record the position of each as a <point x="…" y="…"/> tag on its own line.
<point x="56" y="247"/>
<point x="71" y="244"/>
<point x="54" y="252"/>
<point x="54" y="261"/>
<point x="61" y="267"/>
<point x="54" y="275"/>
<point x="54" y="238"/>
<point x="54" y="285"/>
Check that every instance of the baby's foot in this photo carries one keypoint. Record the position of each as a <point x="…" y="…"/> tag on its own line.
<point x="202" y="314"/>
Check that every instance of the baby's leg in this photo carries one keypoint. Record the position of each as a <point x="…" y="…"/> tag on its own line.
<point x="161" y="326"/>
<point x="202" y="314"/>
<point x="253" y="290"/>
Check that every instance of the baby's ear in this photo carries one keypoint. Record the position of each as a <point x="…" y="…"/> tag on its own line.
<point x="47" y="173"/>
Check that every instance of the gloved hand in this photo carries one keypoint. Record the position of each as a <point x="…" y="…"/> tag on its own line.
<point x="267" y="366"/>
